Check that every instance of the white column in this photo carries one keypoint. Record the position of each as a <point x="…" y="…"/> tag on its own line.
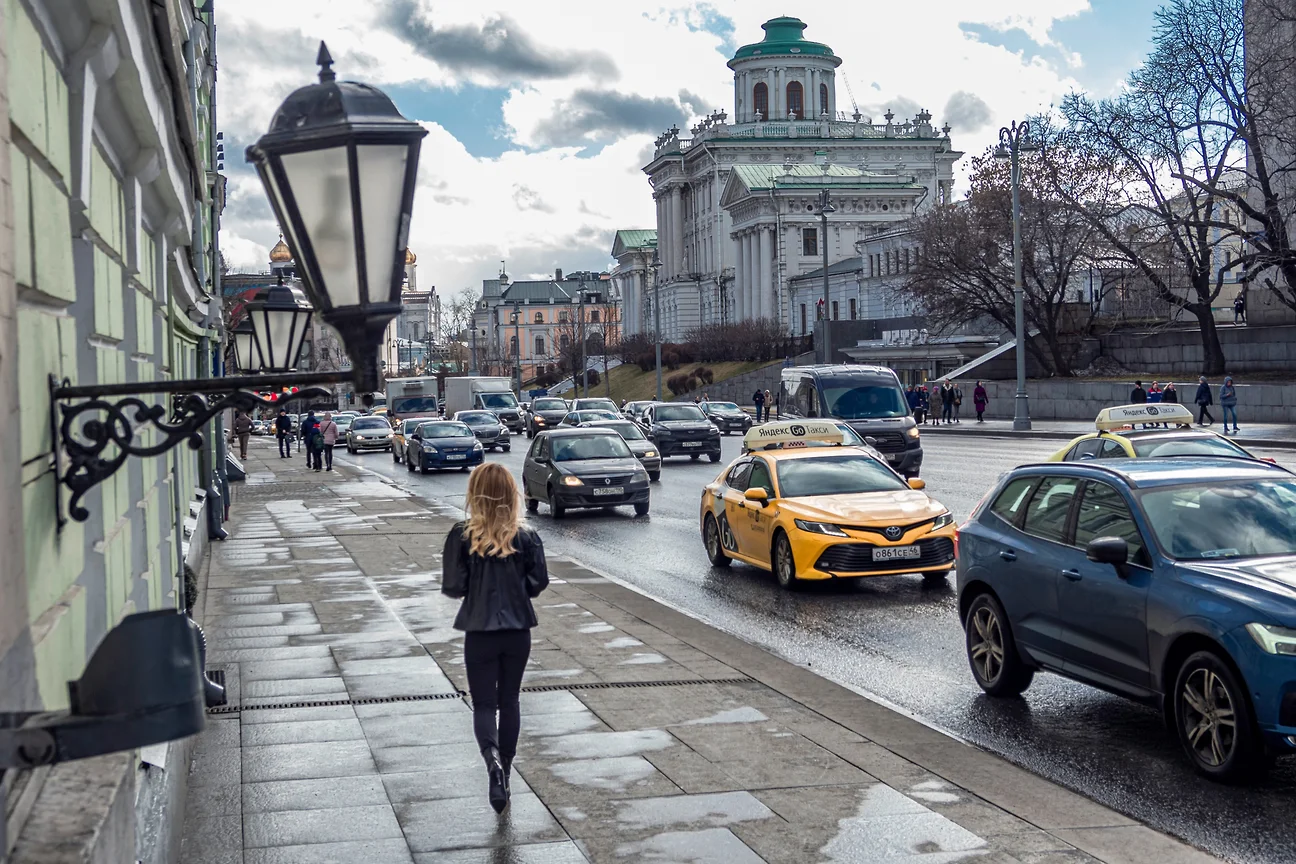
<point x="677" y="228"/>
<point x="812" y="96"/>
<point x="740" y="279"/>
<point x="765" y="283"/>
<point x="778" y="99"/>
<point x="753" y="275"/>
<point x="771" y="101"/>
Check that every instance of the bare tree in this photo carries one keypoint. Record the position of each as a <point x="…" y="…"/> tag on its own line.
<point x="964" y="271"/>
<point x="1174" y="146"/>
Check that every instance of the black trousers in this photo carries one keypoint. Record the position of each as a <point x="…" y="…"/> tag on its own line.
<point x="285" y="445"/>
<point x="495" y="661"/>
<point x="1204" y="413"/>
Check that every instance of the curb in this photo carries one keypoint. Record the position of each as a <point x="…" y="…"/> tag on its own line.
<point x="1046" y="434"/>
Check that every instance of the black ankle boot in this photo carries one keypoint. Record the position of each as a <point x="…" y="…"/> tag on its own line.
<point x="498" y="793"/>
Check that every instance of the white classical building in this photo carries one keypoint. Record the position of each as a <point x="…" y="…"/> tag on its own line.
<point x="737" y="203"/>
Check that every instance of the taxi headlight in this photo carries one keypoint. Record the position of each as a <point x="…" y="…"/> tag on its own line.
<point x="942" y="520"/>
<point x="912" y="431"/>
<point x="649" y="454"/>
<point x="1274" y="640"/>
<point x="539" y="421"/>
<point x="820" y="528"/>
<point x="570" y="480"/>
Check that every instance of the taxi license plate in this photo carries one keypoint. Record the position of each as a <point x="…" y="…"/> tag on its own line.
<point x="610" y="490"/>
<point x="896" y="553"/>
<point x="692" y="443"/>
<point x="453" y="456"/>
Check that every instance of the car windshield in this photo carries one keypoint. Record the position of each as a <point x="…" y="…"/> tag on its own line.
<point x="626" y="430"/>
<point x="412" y="424"/>
<point x="678" y="412"/>
<point x="344" y="420"/>
<point x="863" y="399"/>
<point x="1243" y="519"/>
<point x="596" y="405"/>
<point x="1204" y="446"/>
<point x="848" y="474"/>
<point x="549" y="405"/>
<point x="478" y="418"/>
<point x="497" y="400"/>
<point x="722" y="406"/>
<point x="592" y="414"/>
<point x="370" y="423"/>
<point x="569" y="448"/>
<point x="414" y="405"/>
<point x="444" y="430"/>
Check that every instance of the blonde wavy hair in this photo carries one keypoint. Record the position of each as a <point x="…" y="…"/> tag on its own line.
<point x="494" y="512"/>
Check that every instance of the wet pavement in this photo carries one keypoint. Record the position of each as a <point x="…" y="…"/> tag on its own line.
<point x="648" y="735"/>
<point x="900" y="642"/>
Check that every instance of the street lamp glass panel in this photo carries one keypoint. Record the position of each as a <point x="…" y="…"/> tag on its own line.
<point x="1001" y="152"/>
<point x="245" y="352"/>
<point x="382" y="181"/>
<point x="321" y="185"/>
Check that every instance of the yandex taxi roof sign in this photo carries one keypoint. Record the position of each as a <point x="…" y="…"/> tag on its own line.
<point x="792" y="433"/>
<point x="1125" y="415"/>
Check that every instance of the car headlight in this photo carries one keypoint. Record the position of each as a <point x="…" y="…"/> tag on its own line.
<point x="714" y="431"/>
<point x="942" y="520"/>
<point x="539" y="421"/>
<point x="912" y="431"/>
<point x="648" y="454"/>
<point x="569" y="480"/>
<point x="1274" y="640"/>
<point x="429" y="449"/>
<point x="477" y="445"/>
<point x="504" y="431"/>
<point x="820" y="528"/>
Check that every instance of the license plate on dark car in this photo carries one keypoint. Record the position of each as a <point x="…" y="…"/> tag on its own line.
<point x="610" y="490"/>
<point x="454" y="456"/>
<point x="692" y="443"/>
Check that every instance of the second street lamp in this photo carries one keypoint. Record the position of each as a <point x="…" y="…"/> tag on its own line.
<point x="339" y="165"/>
<point x="1014" y="140"/>
<point x="825" y="207"/>
<point x="280" y="319"/>
<point x="245" y="354"/>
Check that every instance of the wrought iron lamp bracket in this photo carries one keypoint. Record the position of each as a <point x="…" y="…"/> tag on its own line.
<point x="110" y="427"/>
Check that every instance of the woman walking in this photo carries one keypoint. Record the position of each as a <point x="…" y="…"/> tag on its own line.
<point x="496" y="565"/>
<point x="980" y="399"/>
<point x="329" y="431"/>
<point x="1228" y="402"/>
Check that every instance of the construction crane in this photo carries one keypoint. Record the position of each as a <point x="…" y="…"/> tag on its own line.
<point x="851" y="94"/>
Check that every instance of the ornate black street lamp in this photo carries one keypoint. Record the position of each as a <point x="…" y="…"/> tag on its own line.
<point x="280" y="322"/>
<point x="1014" y="140"/>
<point x="339" y="164"/>
<point x="246" y="356"/>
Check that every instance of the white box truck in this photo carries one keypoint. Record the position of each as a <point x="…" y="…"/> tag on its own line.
<point x="471" y="392"/>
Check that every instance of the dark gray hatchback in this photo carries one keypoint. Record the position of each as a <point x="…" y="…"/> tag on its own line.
<point x="582" y="468"/>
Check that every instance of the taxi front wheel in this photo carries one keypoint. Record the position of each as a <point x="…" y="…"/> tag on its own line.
<point x="992" y="651"/>
<point x="784" y="563"/>
<point x="714" y="548"/>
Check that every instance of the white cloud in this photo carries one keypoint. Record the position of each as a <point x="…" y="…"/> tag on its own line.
<point x="583" y="73"/>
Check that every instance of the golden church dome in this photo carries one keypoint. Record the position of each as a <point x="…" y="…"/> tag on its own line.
<point x="410" y="257"/>
<point x="280" y="253"/>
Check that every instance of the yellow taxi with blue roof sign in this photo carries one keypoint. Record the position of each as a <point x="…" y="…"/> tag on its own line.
<point x="1166" y="430"/>
<point x="806" y="505"/>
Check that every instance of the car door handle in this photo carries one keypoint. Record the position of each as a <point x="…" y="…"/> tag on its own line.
<point x="1073" y="575"/>
<point x="1008" y="555"/>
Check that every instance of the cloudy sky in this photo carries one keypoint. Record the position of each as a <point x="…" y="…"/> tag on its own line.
<point x="541" y="113"/>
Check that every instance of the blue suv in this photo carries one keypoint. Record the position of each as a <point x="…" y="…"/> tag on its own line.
<point x="1168" y="581"/>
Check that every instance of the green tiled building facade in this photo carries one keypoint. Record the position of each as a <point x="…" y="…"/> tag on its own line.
<point x="108" y="208"/>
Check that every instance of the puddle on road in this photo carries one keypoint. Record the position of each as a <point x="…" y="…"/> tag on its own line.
<point x="715" y="809"/>
<point x="608" y="745"/>
<point x="623" y="642"/>
<point x="889" y="825"/>
<point x="597" y="627"/>
<point x="642" y="660"/>
<point x="710" y="846"/>
<point x="934" y="792"/>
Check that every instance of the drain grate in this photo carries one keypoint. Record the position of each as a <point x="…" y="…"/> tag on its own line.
<point x="459" y="694"/>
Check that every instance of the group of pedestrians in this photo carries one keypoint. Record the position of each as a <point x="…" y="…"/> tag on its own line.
<point x="319" y="436"/>
<point x="1204" y="398"/>
<point x="764" y="401"/>
<point x="941" y="405"/>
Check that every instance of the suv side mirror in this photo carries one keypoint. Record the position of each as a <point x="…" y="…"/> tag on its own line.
<point x="1109" y="550"/>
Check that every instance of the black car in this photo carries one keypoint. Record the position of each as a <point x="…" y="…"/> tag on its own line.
<point x="681" y="429"/>
<point x="727" y="417"/>
<point x="488" y="428"/>
<point x="437" y="444"/>
<point x="545" y="412"/>
<point x="572" y="468"/>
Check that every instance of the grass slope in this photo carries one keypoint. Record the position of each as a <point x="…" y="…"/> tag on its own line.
<point x="630" y="383"/>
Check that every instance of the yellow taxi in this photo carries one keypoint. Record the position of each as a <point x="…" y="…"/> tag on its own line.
<point x="800" y="503"/>
<point x="1143" y="431"/>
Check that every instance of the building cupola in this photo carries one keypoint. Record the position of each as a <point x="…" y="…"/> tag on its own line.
<point x="784" y="76"/>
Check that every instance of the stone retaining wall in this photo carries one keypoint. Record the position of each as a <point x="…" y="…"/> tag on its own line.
<point x="1077" y="399"/>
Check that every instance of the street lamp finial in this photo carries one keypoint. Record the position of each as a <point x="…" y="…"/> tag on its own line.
<point x="325" y="61"/>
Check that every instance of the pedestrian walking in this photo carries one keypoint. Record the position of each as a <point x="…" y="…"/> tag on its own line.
<point x="283" y="431"/>
<point x="1228" y="402"/>
<point x="1138" y="396"/>
<point x="1170" y="395"/>
<point x="497" y="567"/>
<point x="980" y="400"/>
<point x="924" y="404"/>
<point x="329" y="436"/>
<point x="769" y="403"/>
<point x="1204" y="400"/>
<point x="758" y="399"/>
<point x="309" y="433"/>
<point x="1239" y="311"/>
<point x="956" y="396"/>
<point x="242" y="431"/>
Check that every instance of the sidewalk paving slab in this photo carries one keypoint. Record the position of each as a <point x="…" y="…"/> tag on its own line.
<point x="647" y="735"/>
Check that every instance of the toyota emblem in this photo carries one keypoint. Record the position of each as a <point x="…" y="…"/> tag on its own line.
<point x="894" y="532"/>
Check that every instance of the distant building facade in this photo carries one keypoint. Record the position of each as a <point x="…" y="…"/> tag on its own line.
<point x="729" y="247"/>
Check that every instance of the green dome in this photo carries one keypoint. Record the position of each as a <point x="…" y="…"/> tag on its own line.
<point x="783" y="36"/>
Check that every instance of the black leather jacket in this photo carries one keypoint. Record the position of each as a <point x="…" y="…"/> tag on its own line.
<point x="496" y="591"/>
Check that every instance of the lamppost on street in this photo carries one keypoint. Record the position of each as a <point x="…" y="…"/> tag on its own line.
<point x="657" y="334"/>
<point x="1014" y="140"/>
<point x="517" y="345"/>
<point x="825" y="207"/>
